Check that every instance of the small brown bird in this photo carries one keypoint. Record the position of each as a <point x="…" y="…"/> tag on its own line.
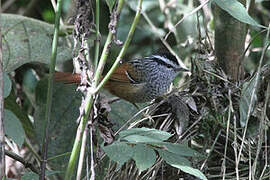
<point x="138" y="80"/>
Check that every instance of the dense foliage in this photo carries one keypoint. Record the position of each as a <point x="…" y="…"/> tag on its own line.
<point x="210" y="126"/>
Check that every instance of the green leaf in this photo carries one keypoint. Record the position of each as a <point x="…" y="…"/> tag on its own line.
<point x="237" y="10"/>
<point x="119" y="152"/>
<point x="191" y="170"/>
<point x="140" y="139"/>
<point x="180" y="163"/>
<point x="110" y="4"/>
<point x="121" y="111"/>
<point x="172" y="158"/>
<point x="13" y="127"/>
<point x="7" y="85"/>
<point x="27" y="40"/>
<point x="179" y="149"/>
<point x="247" y="102"/>
<point x="63" y="125"/>
<point x="30" y="176"/>
<point x="144" y="135"/>
<point x="144" y="156"/>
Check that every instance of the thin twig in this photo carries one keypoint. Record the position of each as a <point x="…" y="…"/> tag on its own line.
<point x="21" y="160"/>
<point x="189" y="128"/>
<point x="97" y="41"/>
<point x="247" y="48"/>
<point x="227" y="135"/>
<point x="267" y="94"/>
<point x="143" y="119"/>
<point x="166" y="11"/>
<point x="211" y="149"/>
<point x="163" y="40"/>
<point x="128" y="121"/>
<point x="249" y="162"/>
<point x="225" y="80"/>
<point x="185" y="16"/>
<point x="92" y="153"/>
<point x="50" y="90"/>
<point x="253" y="93"/>
<point x="235" y="147"/>
<point x="81" y="158"/>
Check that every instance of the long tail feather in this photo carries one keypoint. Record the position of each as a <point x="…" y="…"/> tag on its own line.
<point x="67" y="78"/>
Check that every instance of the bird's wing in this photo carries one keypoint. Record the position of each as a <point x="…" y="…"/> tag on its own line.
<point x="126" y="73"/>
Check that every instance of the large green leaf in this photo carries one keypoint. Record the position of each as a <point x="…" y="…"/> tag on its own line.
<point x="237" y="10"/>
<point x="191" y="170"/>
<point x="144" y="135"/>
<point x="30" y="176"/>
<point x="172" y="158"/>
<point x="140" y="139"/>
<point x="181" y="163"/>
<point x="144" y="156"/>
<point x="119" y="152"/>
<point x="13" y="127"/>
<point x="179" y="149"/>
<point x="28" y="40"/>
<point x="63" y="125"/>
<point x="121" y="111"/>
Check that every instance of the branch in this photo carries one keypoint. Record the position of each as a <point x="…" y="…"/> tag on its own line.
<point x="50" y="90"/>
<point x="21" y="160"/>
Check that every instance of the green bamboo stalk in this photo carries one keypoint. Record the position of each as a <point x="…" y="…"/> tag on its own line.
<point x="82" y="154"/>
<point x="89" y="102"/>
<point x="50" y="89"/>
<point x="124" y="48"/>
<point x="97" y="43"/>
<point x="105" y="51"/>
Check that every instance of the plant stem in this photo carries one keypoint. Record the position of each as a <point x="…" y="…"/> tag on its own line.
<point x="82" y="153"/>
<point x="254" y="91"/>
<point x="124" y="48"/>
<point x="89" y="101"/>
<point x="105" y="51"/>
<point x="156" y="31"/>
<point x="23" y="161"/>
<point x="50" y="90"/>
<point x="97" y="43"/>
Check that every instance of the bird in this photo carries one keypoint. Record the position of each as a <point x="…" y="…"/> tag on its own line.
<point x="138" y="80"/>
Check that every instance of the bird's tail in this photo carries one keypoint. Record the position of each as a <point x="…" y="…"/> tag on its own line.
<point x="67" y="78"/>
